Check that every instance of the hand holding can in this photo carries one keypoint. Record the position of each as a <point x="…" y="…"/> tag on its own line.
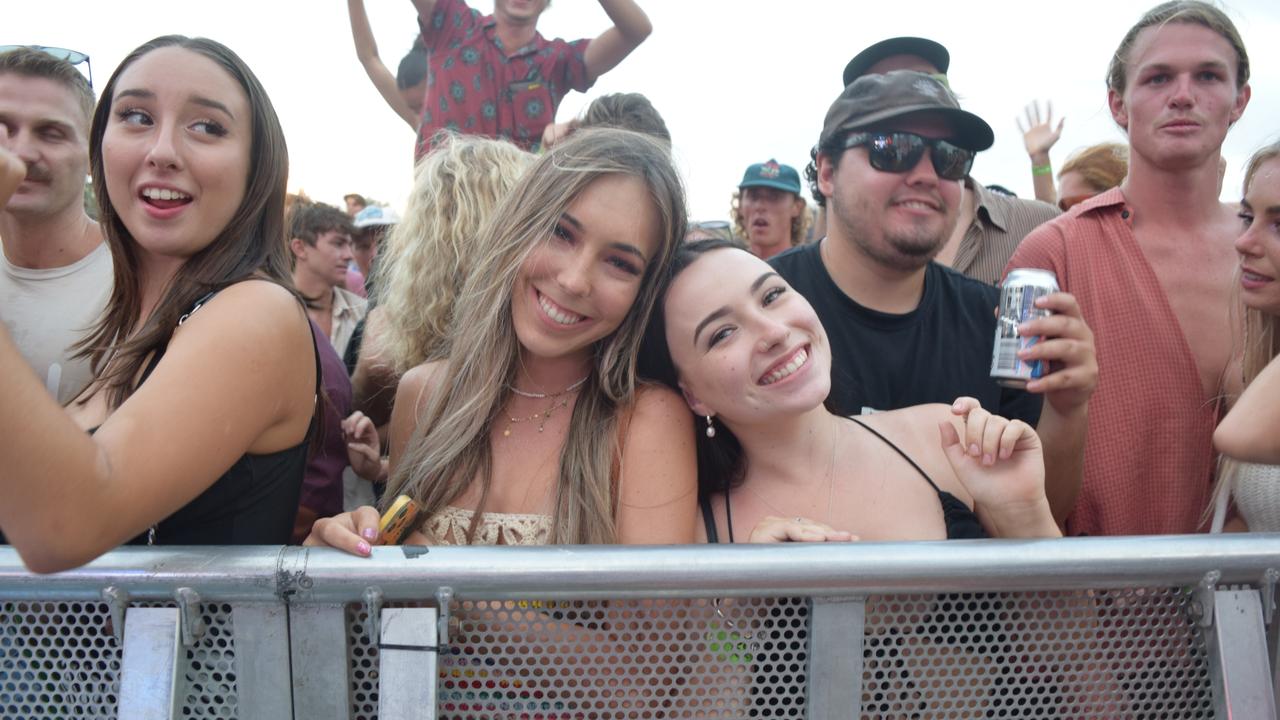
<point x="1018" y="295"/>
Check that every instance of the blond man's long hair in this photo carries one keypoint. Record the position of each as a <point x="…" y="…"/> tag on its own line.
<point x="1261" y="338"/>
<point x="449" y="448"/>
<point x="430" y="252"/>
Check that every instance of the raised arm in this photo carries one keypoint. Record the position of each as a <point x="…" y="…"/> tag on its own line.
<point x="236" y="378"/>
<point x="630" y="28"/>
<point x="367" y="52"/>
<point x="1040" y="136"/>
<point x="1251" y="431"/>
<point x="657" y="501"/>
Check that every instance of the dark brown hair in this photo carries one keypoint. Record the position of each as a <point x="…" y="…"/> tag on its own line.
<point x="251" y="244"/>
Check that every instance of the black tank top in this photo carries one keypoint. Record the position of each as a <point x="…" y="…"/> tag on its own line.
<point x="962" y="523"/>
<point x="253" y="503"/>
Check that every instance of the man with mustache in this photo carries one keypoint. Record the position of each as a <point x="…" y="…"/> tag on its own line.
<point x="55" y="276"/>
<point x="1151" y="263"/>
<point x="905" y="330"/>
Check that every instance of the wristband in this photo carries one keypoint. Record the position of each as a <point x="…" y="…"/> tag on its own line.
<point x="1045" y="169"/>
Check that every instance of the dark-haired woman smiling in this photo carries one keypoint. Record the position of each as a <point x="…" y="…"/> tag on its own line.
<point x="195" y="428"/>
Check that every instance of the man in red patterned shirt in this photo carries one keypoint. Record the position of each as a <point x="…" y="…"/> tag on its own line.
<point x="1151" y="264"/>
<point x="495" y="75"/>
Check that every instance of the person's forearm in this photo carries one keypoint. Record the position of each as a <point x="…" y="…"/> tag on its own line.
<point x="50" y="466"/>
<point x="361" y="32"/>
<point x="1251" y="431"/>
<point x="629" y="19"/>
<point x="1063" y="439"/>
<point x="1019" y="521"/>
<point x="1042" y="178"/>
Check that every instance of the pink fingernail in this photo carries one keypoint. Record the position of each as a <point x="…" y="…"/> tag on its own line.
<point x="362" y="547"/>
<point x="987" y="460"/>
<point x="974" y="451"/>
<point x="369" y="533"/>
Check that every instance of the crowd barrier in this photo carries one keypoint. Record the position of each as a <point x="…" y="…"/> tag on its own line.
<point x="1150" y="627"/>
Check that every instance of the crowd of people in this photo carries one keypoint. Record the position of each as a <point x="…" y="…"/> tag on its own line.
<point x="540" y="347"/>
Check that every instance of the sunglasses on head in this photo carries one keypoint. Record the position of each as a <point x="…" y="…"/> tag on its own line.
<point x="898" y="152"/>
<point x="74" y="57"/>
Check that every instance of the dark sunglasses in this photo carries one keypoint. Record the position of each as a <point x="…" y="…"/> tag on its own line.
<point x="74" y="57"/>
<point x="898" y="152"/>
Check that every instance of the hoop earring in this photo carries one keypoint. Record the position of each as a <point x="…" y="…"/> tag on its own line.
<point x="711" y="429"/>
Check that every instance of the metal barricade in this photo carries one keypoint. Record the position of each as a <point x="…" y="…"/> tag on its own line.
<point x="1152" y="627"/>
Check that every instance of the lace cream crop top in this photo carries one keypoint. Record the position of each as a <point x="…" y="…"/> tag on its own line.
<point x="449" y="527"/>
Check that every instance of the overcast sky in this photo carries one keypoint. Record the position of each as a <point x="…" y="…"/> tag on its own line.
<point x="737" y="81"/>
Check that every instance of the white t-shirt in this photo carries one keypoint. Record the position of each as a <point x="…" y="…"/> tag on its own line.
<point x="48" y="311"/>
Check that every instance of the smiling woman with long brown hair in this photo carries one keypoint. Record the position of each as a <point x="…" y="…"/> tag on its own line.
<point x="534" y="430"/>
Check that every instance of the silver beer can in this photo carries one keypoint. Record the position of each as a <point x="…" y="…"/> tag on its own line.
<point x="1018" y="295"/>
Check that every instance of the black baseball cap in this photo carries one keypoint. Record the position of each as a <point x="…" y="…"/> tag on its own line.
<point x="934" y="52"/>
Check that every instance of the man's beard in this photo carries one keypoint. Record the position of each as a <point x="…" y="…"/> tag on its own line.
<point x="902" y="250"/>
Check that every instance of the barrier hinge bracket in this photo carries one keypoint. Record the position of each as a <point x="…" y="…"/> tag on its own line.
<point x="444" y="598"/>
<point x="117" y="602"/>
<point x="189" y="615"/>
<point x="373" y="609"/>
<point x="1268" y="590"/>
<point x="1202" y="603"/>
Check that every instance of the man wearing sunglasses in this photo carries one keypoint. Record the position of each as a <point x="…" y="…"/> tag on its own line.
<point x="905" y="330"/>
<point x="990" y="224"/>
<point x="55" y="275"/>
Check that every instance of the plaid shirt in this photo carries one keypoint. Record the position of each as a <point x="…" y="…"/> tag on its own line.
<point x="475" y="87"/>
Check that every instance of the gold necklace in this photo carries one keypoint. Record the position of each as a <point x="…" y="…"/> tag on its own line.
<point x="544" y="415"/>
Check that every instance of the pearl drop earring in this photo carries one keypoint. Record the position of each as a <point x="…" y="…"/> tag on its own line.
<point x="711" y="429"/>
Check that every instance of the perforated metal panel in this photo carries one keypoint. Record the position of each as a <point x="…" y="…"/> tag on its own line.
<point x="1135" y="653"/>
<point x="60" y="660"/>
<point x="615" y="659"/>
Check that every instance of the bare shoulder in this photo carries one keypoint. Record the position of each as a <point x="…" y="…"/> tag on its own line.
<point x="418" y="381"/>
<point x="916" y="425"/>
<point x="253" y="307"/>
<point x="659" y="404"/>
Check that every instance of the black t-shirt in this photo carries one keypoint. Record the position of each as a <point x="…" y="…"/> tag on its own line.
<point x="933" y="354"/>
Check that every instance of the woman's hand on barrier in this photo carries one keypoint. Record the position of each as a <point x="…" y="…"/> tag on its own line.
<point x="364" y="451"/>
<point x="354" y="532"/>
<point x="798" y="529"/>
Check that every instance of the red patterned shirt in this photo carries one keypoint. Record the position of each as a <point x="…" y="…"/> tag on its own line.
<point x="475" y="88"/>
<point x="1148" y="459"/>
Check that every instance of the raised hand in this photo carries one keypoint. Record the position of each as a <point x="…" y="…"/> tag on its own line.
<point x="1000" y="463"/>
<point x="1039" y="135"/>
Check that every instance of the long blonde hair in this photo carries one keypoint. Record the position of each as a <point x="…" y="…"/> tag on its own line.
<point x="449" y="448"/>
<point x="429" y="253"/>
<point x="1261" y="338"/>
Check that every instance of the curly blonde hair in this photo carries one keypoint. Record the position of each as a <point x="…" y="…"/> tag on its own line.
<point x="426" y="257"/>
